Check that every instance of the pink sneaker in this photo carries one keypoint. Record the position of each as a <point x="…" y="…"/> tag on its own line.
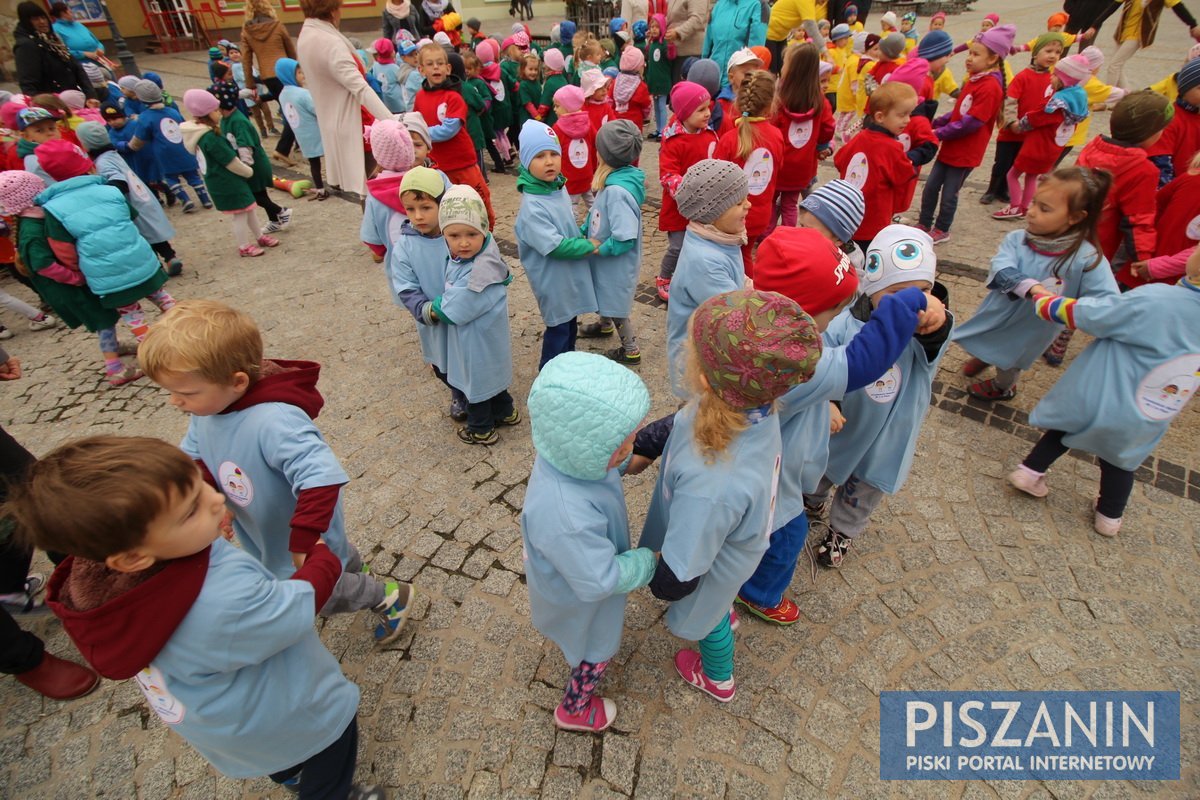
<point x="734" y="622"/>
<point x="1029" y="482"/>
<point x="250" y="251"/>
<point x="268" y="241"/>
<point x="687" y="664"/>
<point x="127" y="375"/>
<point x="1106" y="526"/>
<point x="939" y="236"/>
<point x="1009" y="212"/>
<point x="598" y="715"/>
<point x="663" y="287"/>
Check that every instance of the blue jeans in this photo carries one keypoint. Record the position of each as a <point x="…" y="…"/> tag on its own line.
<point x="774" y="574"/>
<point x="557" y="340"/>
<point x="947" y="181"/>
<point x="660" y="113"/>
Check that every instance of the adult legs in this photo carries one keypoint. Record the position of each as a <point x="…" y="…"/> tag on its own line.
<point x="1116" y="65"/>
<point x="288" y="138"/>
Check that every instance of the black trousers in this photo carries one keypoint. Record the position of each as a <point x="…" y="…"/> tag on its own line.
<point x="455" y="394"/>
<point x="20" y="651"/>
<point x="270" y="206"/>
<point x="1006" y="154"/>
<point x="163" y="250"/>
<point x="482" y="417"/>
<point x="287" y="139"/>
<point x="330" y="773"/>
<point x="1116" y="484"/>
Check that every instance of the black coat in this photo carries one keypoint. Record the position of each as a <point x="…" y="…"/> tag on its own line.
<point x="424" y="21"/>
<point x="393" y="25"/>
<point x="39" y="69"/>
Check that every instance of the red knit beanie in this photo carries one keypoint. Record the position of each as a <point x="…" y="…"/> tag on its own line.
<point x="801" y="264"/>
<point x="62" y="159"/>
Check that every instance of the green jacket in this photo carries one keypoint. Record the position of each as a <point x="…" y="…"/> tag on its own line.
<point x="239" y="131"/>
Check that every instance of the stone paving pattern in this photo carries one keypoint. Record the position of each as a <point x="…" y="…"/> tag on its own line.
<point x="960" y="584"/>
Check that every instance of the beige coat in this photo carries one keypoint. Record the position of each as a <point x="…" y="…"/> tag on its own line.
<point x="338" y="91"/>
<point x="689" y="18"/>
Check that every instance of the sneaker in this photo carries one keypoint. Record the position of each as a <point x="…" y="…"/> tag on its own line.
<point x="128" y="375"/>
<point x="623" y="356"/>
<point x="987" y="199"/>
<point x="23" y="604"/>
<point x="939" y="236"/>
<point x="596" y="330"/>
<point x="46" y="323"/>
<point x="973" y="367"/>
<point x="990" y="391"/>
<point x="273" y="132"/>
<point x="512" y="419"/>
<point x="735" y="621"/>
<point x="267" y="241"/>
<point x="470" y="437"/>
<point x="921" y="227"/>
<point x="174" y="268"/>
<point x="206" y="203"/>
<point x="1009" y="212"/>
<point x="833" y="550"/>
<point x="35" y="583"/>
<point x="663" y="287"/>
<point x="596" y="717"/>
<point x="275" y="227"/>
<point x="367" y="791"/>
<point x="786" y="613"/>
<point x="458" y="409"/>
<point x="285" y="217"/>
<point x="1106" y="526"/>
<point x="393" y="611"/>
<point x="689" y="667"/>
<point x="189" y="206"/>
<point x="1031" y="483"/>
<point x="250" y="251"/>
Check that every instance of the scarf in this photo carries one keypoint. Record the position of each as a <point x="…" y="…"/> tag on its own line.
<point x="435" y="8"/>
<point x="399" y="10"/>
<point x="50" y="41"/>
<point x="1073" y="102"/>
<point x="623" y="88"/>
<point x="1052" y="245"/>
<point x="707" y="231"/>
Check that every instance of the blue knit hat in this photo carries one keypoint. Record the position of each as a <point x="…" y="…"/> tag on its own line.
<point x="840" y="206"/>
<point x="840" y="31"/>
<point x="615" y="24"/>
<point x="566" y="30"/>
<point x="935" y="44"/>
<point x="536" y="137"/>
<point x="1189" y="76"/>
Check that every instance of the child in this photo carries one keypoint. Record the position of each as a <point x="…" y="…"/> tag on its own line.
<point x="937" y="21"/>
<point x="597" y="102"/>
<point x="686" y="141"/>
<point x="889" y="23"/>
<point x="301" y="115"/>
<point x="578" y="138"/>
<point x="737" y="69"/>
<point x="917" y="138"/>
<point x="553" y="253"/>
<point x="838" y="50"/>
<point x="713" y="503"/>
<point x="875" y="162"/>
<point x="1056" y="23"/>
<point x="150" y="220"/>
<point x="409" y="73"/>
<point x="866" y="65"/>
<point x="1120" y="395"/>
<point x="440" y="103"/>
<point x="89" y="226"/>
<point x="1169" y="86"/>
<point x="158" y="128"/>
<point x="226" y="175"/>
<point x="529" y="91"/>
<point x="120" y="133"/>
<point x="67" y="121"/>
<point x="965" y="131"/>
<point x="474" y="304"/>
<point x="129" y="102"/>
<point x="383" y="214"/>
<point x="422" y="142"/>
<point x="908" y="27"/>
<point x="556" y="65"/>
<point x="1060" y="248"/>
<point x="835" y="210"/>
<point x="891" y="51"/>
<point x="756" y="146"/>
<point x="850" y="17"/>
<point x="36" y="126"/>
<point x="846" y="115"/>
<point x="615" y="222"/>
<point x="239" y="132"/>
<point x="631" y="96"/>
<point x="706" y="73"/>
<point x="936" y="48"/>
<point x="256" y="98"/>
<point x="872" y="454"/>
<point x="1046" y="131"/>
<point x="387" y="72"/>
<point x="1100" y="97"/>
<point x="76" y="102"/>
<point x="1177" y="234"/>
<point x="588" y="55"/>
<point x="480" y="100"/>
<point x="145" y="553"/>
<point x="1181" y="139"/>
<point x="805" y="119"/>
<point x="714" y="197"/>
<point x="659" y="55"/>
<point x="575" y="526"/>
<point x="216" y="57"/>
<point x="502" y="103"/>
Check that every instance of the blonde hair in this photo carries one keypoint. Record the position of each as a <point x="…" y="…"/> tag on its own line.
<point x="717" y="423"/>
<point x="754" y="101"/>
<point x="204" y="337"/>
<point x="432" y="47"/>
<point x="259" y="8"/>
<point x="589" y="44"/>
<point x="603" y="170"/>
<point x="525" y="59"/>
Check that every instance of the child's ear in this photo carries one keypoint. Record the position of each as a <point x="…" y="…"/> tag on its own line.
<point x="129" y="561"/>
<point x="1076" y="218"/>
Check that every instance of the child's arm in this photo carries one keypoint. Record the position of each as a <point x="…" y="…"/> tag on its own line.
<point x="592" y="567"/>
<point x="407" y="286"/>
<point x="453" y="122"/>
<point x="651" y="440"/>
<point x="882" y="340"/>
<point x="670" y="170"/>
<point x="984" y="108"/>
<point x="934" y="341"/>
<point x="625" y="223"/>
<point x="538" y="232"/>
<point x="459" y="305"/>
<point x="1038" y="119"/>
<point x="1164" y="268"/>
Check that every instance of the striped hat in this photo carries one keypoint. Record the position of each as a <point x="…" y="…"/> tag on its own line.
<point x="840" y="206"/>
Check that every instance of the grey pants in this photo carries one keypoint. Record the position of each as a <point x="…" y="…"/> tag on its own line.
<point x="671" y="257"/>
<point x="355" y="590"/>
<point x="625" y="331"/>
<point x="853" y="503"/>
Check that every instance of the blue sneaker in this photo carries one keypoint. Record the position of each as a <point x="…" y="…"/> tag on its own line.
<point x="393" y="611"/>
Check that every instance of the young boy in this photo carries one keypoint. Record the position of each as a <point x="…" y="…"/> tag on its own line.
<point x="252" y="432"/>
<point x="1181" y="139"/>
<point x="422" y="142"/>
<point x="158" y="128"/>
<point x="36" y="125"/>
<point x="237" y="128"/>
<point x="225" y="653"/>
<point x="740" y="64"/>
<point x="440" y="103"/>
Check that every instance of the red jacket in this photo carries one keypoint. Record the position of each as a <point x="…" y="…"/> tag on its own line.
<point x="728" y="115"/>
<point x="600" y="113"/>
<point x="679" y="151"/>
<point x="762" y="168"/>
<point x="436" y="107"/>
<point x="803" y="134"/>
<point x="981" y="98"/>
<point x="578" y="139"/>
<point x="1044" y="143"/>
<point x="874" y="161"/>
<point x="1178" y="215"/>
<point x="918" y="132"/>
<point x="1130" y="208"/>
<point x="639" y="106"/>
<point x="1031" y="90"/>
<point x="1180" y="140"/>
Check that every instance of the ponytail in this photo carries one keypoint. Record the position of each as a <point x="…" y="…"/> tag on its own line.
<point x="753" y="105"/>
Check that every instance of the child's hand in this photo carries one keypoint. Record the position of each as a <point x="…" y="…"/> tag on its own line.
<point x="595" y="246"/>
<point x="933" y="317"/>
<point x="825" y="153"/>
<point x="227" y="525"/>
<point x="1141" y="269"/>
<point x="836" y="420"/>
<point x="298" y="560"/>
<point x="10" y="370"/>
<point x="637" y="464"/>
<point x="1039" y="291"/>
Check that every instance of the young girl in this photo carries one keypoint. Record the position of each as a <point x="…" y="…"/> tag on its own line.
<point x="1047" y="130"/>
<point x="1120" y="395"/>
<point x="713" y="503"/>
<point x="480" y="100"/>
<point x="805" y="119"/>
<point x="239" y="131"/>
<point x="387" y="72"/>
<point x="1059" y="248"/>
<point x="575" y="526"/>
<point x="383" y="213"/>
<point x="529" y="91"/>
<point x="556" y="64"/>
<point x="227" y="177"/>
<point x="578" y="139"/>
<point x="301" y="114"/>
<point x="685" y="142"/>
<point x="502" y="106"/>
<point x="588" y="55"/>
<point x="847" y="91"/>
<point x="659" y="55"/>
<point x="597" y="103"/>
<point x="965" y="131"/>
<point x="631" y="96"/>
<point x="756" y="146"/>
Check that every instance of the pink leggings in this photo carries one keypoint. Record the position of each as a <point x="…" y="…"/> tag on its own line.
<point x="786" y="209"/>
<point x="1017" y="197"/>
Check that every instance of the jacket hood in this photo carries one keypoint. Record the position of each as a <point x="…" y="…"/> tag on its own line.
<point x="632" y="179"/>
<point x="285" y="70"/>
<point x="490" y="72"/>
<point x="62" y="187"/>
<point x="192" y="132"/>
<point x="662" y="26"/>
<point x="121" y="621"/>
<point x="386" y="189"/>
<point x="531" y="185"/>
<point x="260" y="29"/>
<point x="291" y="382"/>
<point x="798" y="116"/>
<point x="1114" y="156"/>
<point x="451" y="84"/>
<point x="575" y="125"/>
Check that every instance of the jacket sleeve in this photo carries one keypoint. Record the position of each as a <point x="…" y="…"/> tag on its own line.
<point x="29" y="66"/>
<point x="696" y="18"/>
<point x="310" y="520"/>
<point x="460" y="305"/>
<point x="1169" y="267"/>
<point x="248" y="60"/>
<point x="651" y="440"/>
<point x="322" y="569"/>
<point x="1139" y="206"/>
<point x="883" y="338"/>
<point x="344" y="70"/>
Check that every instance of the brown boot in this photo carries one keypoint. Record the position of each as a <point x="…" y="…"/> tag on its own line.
<point x="59" y="679"/>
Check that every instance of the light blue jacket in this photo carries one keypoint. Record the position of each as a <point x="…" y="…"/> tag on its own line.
<point x="563" y="287"/>
<point x="151" y="219"/>
<point x="245" y="678"/>
<point x="298" y="109"/>
<point x="1119" y="396"/>
<point x="616" y="215"/>
<point x="713" y="521"/>
<point x="1005" y="331"/>
<point x="732" y="25"/>
<point x="474" y="305"/>
<point x="113" y="255"/>
<point x="389" y="79"/>
<point x="705" y="269"/>
<point x="417" y="266"/>
<point x="77" y="37"/>
<point x="804" y="428"/>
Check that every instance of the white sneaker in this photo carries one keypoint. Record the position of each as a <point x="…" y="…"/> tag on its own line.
<point x="1106" y="526"/>
<point x="5" y="333"/>
<point x="272" y="227"/>
<point x="44" y="324"/>
<point x="285" y="218"/>
<point x="1030" y="482"/>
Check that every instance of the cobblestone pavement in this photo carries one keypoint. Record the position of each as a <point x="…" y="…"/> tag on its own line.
<point x="961" y="583"/>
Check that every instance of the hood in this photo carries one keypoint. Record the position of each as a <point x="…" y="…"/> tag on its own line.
<point x="1113" y="156"/>
<point x="386" y="189"/>
<point x="261" y="29"/>
<point x="575" y="125"/>
<point x="632" y="179"/>
<point x="1073" y="102"/>
<point x="63" y="187"/>
<point x="531" y="185"/>
<point x="491" y="72"/>
<point x="121" y="621"/>
<point x="797" y="116"/>
<point x="285" y="70"/>
<point x="662" y="26"/>
<point x="192" y="131"/>
<point x="291" y="382"/>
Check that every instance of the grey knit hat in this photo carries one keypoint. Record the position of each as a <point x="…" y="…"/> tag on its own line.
<point x="148" y="92"/>
<point x="840" y="206"/>
<point x="709" y="189"/>
<point x="707" y="73"/>
<point x="892" y="45"/>
<point x="619" y="143"/>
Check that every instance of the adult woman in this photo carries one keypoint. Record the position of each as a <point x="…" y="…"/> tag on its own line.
<point x="266" y="40"/>
<point x="335" y="79"/>
<point x="734" y="24"/>
<point x="43" y="62"/>
<point x="81" y="43"/>
<point x="430" y="11"/>
<point x="685" y="28"/>
<point x="399" y="16"/>
<point x="786" y="16"/>
<point x="1136" y="29"/>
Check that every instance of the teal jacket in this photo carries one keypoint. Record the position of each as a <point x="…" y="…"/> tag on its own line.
<point x="734" y="24"/>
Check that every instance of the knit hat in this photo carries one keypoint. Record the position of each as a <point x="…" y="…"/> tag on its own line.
<point x="199" y="103"/>
<point x="148" y="92"/>
<point x="871" y="40"/>
<point x="764" y="55"/>
<point x="840" y="206"/>
<point x="898" y="254"/>
<point x="95" y="77"/>
<point x="707" y="73"/>
<point x="570" y="97"/>
<point x="462" y="205"/>
<point x="442" y="38"/>
<point x="993" y="18"/>
<point x="128" y="82"/>
<point x="849" y="10"/>
<point x="1139" y="115"/>
<point x="892" y="45"/>
<point x="753" y="346"/>
<point x="935" y="44"/>
<point x="31" y="116"/>
<point x="416" y="124"/>
<point x="824" y="68"/>
<point x="385" y="51"/>
<point x="840" y="31"/>
<point x="423" y="179"/>
<point x="1057" y="19"/>
<point x="62" y="159"/>
<point x="914" y="72"/>
<point x="73" y="98"/>
<point x="619" y="143"/>
<point x="18" y="189"/>
<point x="615" y="24"/>
<point x="859" y="45"/>
<point x="611" y="73"/>
<point x="801" y="264"/>
<point x="710" y="188"/>
<point x="554" y="60"/>
<point x="487" y="51"/>
<point x="214" y="52"/>
<point x="742" y="57"/>
<point x="1073" y="71"/>
<point x="909" y="17"/>
<point x="1049" y="37"/>
<point x="890" y="20"/>
<point x="390" y="144"/>
<point x="226" y="93"/>
<point x="591" y="80"/>
<point x="474" y="24"/>
<point x="936" y="16"/>
<point x="519" y="27"/>
<point x="998" y="39"/>
<point x="582" y="406"/>
<point x="632" y="59"/>
<point x="640" y="27"/>
<point x="537" y="137"/>
<point x="92" y="135"/>
<point x="1094" y="55"/>
<point x="686" y="97"/>
<point x="567" y="29"/>
<point x="1188" y="78"/>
